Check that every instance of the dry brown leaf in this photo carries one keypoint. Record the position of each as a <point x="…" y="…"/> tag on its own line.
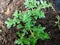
<point x="7" y="11"/>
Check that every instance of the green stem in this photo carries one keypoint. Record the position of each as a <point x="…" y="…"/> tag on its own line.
<point x="32" y="33"/>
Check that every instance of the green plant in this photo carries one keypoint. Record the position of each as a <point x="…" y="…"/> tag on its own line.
<point x="58" y="21"/>
<point x="29" y="31"/>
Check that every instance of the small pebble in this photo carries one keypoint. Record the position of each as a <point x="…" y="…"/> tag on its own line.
<point x="0" y="30"/>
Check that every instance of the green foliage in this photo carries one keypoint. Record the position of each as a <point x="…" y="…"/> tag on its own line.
<point x="58" y="21"/>
<point x="33" y="3"/>
<point x="30" y="3"/>
<point x="29" y="33"/>
<point x="9" y="22"/>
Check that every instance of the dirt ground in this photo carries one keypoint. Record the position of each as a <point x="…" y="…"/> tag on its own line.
<point x="8" y="36"/>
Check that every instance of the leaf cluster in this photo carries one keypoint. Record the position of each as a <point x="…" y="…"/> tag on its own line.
<point x="29" y="19"/>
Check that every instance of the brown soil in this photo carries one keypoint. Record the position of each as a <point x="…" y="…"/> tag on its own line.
<point x="8" y="36"/>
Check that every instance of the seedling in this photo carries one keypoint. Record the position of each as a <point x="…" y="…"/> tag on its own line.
<point x="29" y="31"/>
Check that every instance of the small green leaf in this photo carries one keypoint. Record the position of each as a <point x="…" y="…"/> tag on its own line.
<point x="44" y="36"/>
<point x="24" y="31"/>
<point x="18" y="34"/>
<point x="19" y="41"/>
<point x="9" y="22"/>
<point x="16" y="14"/>
<point x="41" y="15"/>
<point x="19" y="26"/>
